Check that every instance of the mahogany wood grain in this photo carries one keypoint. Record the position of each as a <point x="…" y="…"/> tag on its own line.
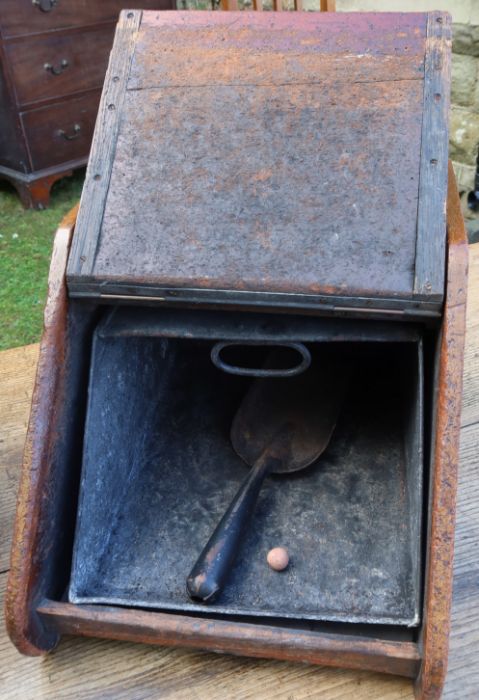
<point x="34" y="188"/>
<point x="19" y="17"/>
<point x="36" y="193"/>
<point x="69" y="55"/>
<point x="13" y="151"/>
<point x="61" y="132"/>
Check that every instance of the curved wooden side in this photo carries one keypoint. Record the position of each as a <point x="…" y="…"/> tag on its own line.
<point x="25" y="628"/>
<point x="434" y="640"/>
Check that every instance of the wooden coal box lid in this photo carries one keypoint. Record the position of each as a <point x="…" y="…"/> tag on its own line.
<point x="275" y="160"/>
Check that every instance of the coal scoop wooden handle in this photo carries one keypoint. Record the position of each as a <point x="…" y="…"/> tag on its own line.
<point x="208" y="576"/>
<point x="281" y="426"/>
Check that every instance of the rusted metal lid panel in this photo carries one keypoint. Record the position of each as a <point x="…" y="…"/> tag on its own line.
<point x="263" y="154"/>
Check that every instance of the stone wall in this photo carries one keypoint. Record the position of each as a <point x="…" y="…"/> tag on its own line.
<point x="464" y="123"/>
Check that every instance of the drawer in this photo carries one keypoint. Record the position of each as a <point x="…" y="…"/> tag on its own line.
<point x="19" y="17"/>
<point x="61" y="132"/>
<point x="54" y="65"/>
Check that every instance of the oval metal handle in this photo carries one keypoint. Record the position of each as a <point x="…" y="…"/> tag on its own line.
<point x="45" y="5"/>
<point x="251" y="372"/>
<point x="56" y="71"/>
<point x="70" y="137"/>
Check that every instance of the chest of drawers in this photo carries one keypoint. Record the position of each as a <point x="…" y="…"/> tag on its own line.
<point x="53" y="55"/>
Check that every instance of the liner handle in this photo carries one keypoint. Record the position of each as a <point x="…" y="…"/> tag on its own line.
<point x="301" y="367"/>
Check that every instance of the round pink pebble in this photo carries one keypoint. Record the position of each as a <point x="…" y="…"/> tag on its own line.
<point x="278" y="558"/>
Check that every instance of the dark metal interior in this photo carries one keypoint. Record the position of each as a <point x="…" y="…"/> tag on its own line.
<point x="159" y="471"/>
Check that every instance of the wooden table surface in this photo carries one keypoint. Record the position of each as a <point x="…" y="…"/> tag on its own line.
<point x="89" y="668"/>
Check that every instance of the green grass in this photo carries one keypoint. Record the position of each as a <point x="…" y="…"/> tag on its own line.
<point x="26" y="240"/>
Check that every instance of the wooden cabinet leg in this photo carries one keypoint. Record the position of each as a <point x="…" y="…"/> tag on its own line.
<point x="36" y="193"/>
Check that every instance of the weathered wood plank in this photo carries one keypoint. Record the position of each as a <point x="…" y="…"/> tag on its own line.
<point x="381" y="33"/>
<point x="261" y="68"/>
<point x="233" y="208"/>
<point x="431" y="219"/>
<point x="462" y="680"/>
<point x="104" y="142"/>
<point x="470" y="404"/>
<point x="93" y="669"/>
<point x="217" y="209"/>
<point x="273" y="49"/>
<point x="17" y="373"/>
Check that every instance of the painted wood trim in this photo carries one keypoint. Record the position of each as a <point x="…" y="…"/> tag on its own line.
<point x="434" y="640"/>
<point x="97" y="180"/>
<point x="263" y="641"/>
<point x="431" y="219"/>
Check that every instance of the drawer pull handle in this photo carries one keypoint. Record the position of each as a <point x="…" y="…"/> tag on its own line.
<point x="45" y="5"/>
<point x="74" y="135"/>
<point x="56" y="71"/>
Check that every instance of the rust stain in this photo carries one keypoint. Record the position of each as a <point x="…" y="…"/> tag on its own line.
<point x="262" y="175"/>
<point x="199" y="580"/>
<point x="214" y="551"/>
